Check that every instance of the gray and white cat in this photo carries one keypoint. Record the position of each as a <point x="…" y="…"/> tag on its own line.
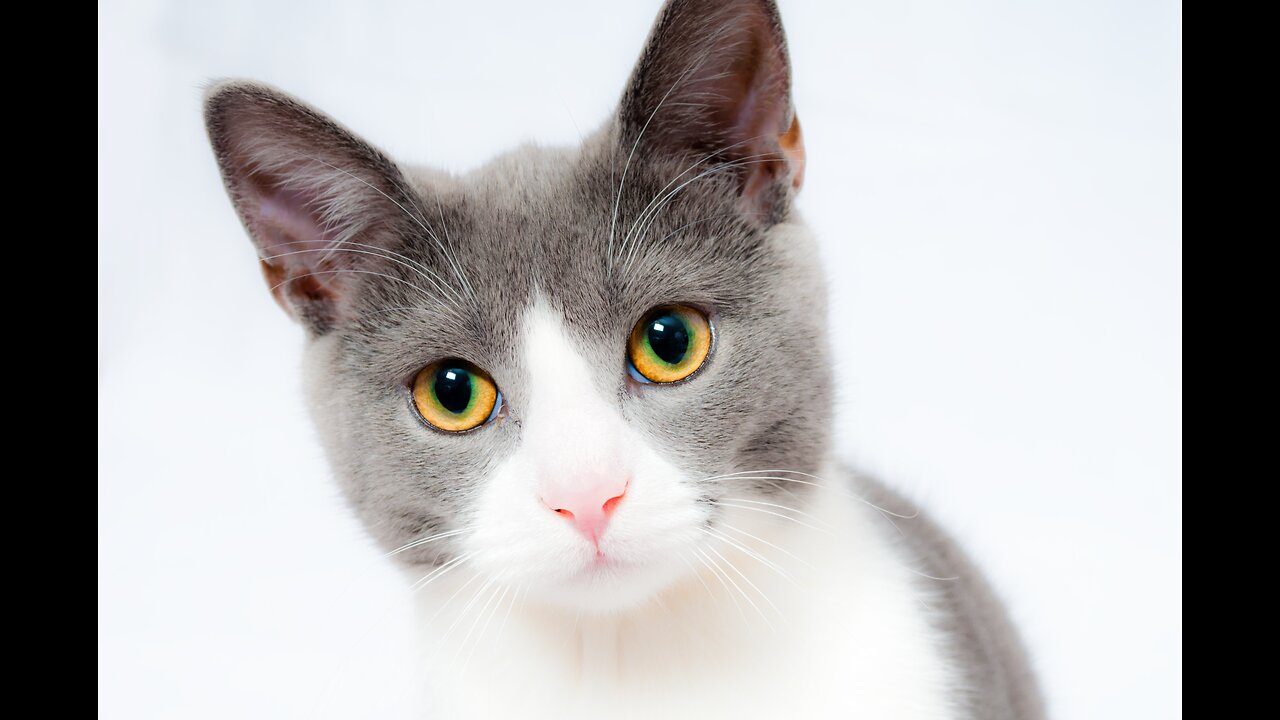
<point x="583" y="396"/>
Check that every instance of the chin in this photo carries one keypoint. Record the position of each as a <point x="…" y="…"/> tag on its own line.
<point x="610" y="586"/>
<point x="627" y="571"/>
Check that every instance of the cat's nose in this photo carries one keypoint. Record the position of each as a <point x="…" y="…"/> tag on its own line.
<point x="587" y="505"/>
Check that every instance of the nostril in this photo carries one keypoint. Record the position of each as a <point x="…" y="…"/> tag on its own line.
<point x="610" y="504"/>
<point x="562" y="511"/>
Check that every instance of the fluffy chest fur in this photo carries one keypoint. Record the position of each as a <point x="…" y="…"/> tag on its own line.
<point x="837" y="626"/>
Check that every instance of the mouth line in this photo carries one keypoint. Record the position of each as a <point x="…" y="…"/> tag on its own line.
<point x="602" y="565"/>
<point x="602" y="561"/>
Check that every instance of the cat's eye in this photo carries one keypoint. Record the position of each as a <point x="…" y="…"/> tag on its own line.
<point x="454" y="395"/>
<point x="669" y="344"/>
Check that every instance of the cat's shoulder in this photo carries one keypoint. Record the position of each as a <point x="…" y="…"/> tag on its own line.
<point x="980" y="636"/>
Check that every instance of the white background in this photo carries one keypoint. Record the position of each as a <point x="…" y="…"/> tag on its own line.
<point x="997" y="190"/>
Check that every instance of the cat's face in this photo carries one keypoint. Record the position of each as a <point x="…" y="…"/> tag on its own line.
<point x="483" y="349"/>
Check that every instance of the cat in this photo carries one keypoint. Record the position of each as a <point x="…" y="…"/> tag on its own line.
<point x="582" y="396"/>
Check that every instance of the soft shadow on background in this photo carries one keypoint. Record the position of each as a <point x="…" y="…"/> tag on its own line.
<point x="997" y="189"/>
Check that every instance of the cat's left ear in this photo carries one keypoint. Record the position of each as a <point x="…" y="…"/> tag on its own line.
<point x="713" y="87"/>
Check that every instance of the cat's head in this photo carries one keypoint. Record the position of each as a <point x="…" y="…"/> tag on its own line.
<point x="573" y="370"/>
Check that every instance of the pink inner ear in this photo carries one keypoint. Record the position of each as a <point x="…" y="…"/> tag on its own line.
<point x="302" y="279"/>
<point x="755" y="87"/>
<point x="289" y="225"/>
<point x="737" y="101"/>
<point x="303" y="186"/>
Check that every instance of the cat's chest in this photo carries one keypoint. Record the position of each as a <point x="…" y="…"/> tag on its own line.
<point x="839" y="629"/>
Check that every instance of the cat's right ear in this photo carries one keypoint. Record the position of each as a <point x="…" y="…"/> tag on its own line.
<point x="318" y="202"/>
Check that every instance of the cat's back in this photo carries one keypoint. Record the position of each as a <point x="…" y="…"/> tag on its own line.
<point x="983" y="645"/>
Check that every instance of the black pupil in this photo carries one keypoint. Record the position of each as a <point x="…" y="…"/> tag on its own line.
<point x="453" y="389"/>
<point x="669" y="338"/>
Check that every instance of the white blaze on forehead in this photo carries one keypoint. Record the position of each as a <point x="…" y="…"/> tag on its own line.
<point x="569" y="424"/>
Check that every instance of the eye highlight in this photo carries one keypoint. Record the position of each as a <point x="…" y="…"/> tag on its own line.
<point x="454" y="395"/>
<point x="669" y="344"/>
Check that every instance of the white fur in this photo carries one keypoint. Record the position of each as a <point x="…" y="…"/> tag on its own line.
<point x="530" y="628"/>
<point x="569" y="431"/>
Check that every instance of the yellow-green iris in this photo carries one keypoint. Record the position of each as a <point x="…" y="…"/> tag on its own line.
<point x="455" y="395"/>
<point x="670" y="343"/>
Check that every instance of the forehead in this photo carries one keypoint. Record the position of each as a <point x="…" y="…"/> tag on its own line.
<point x="549" y="215"/>
<point x="564" y="228"/>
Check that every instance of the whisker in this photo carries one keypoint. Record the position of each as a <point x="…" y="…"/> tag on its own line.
<point x="421" y="222"/>
<point x="462" y="276"/>
<point x="657" y="197"/>
<point x="425" y="540"/>
<point x="515" y="596"/>
<point x="749" y="552"/>
<point x="484" y="629"/>
<point x="741" y="592"/>
<point x="780" y="507"/>
<point x="330" y="251"/>
<point x="439" y="572"/>
<point x="388" y="254"/>
<point x="752" y="585"/>
<point x="824" y="484"/>
<point x="634" y="251"/>
<point x="462" y="645"/>
<point x="456" y="593"/>
<point x="887" y="514"/>
<point x="671" y="182"/>
<point x="691" y="223"/>
<point x="367" y="272"/>
<point x="394" y="308"/>
<point x="465" y="610"/>
<point x="694" y="572"/>
<point x="775" y="514"/>
<point x="714" y="571"/>
<point x="786" y="552"/>
<point x="627" y="166"/>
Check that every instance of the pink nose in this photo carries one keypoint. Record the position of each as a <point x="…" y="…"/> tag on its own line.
<point x="588" y="505"/>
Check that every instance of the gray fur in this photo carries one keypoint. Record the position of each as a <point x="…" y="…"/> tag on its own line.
<point x="981" y="638"/>
<point x="473" y="253"/>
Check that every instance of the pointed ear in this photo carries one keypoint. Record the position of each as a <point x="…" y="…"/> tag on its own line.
<point x="317" y="200"/>
<point x="714" y="86"/>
